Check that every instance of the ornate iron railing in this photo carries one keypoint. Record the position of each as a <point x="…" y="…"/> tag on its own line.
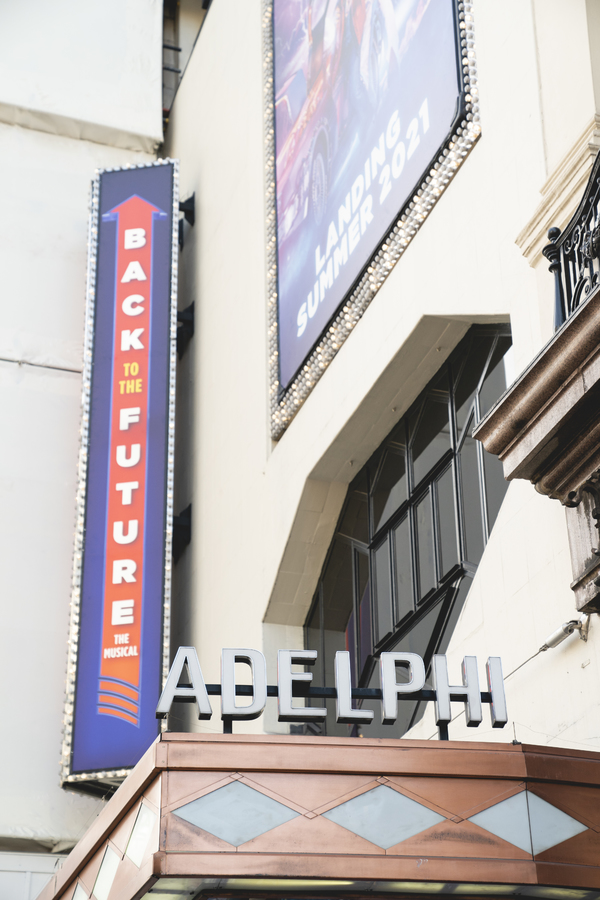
<point x="574" y="254"/>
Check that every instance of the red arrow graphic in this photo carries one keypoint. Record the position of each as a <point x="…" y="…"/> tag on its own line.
<point x="123" y="587"/>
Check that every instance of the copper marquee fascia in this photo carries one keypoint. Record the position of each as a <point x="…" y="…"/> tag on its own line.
<point x="313" y="775"/>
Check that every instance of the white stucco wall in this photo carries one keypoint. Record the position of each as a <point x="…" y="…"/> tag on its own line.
<point x="79" y="84"/>
<point x="68" y="71"/>
<point x="24" y="875"/>
<point x="44" y="183"/>
<point x="562" y="35"/>
<point x="86" y="69"/>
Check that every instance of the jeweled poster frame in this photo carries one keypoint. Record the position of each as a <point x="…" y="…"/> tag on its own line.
<point x="465" y="132"/>
<point x="103" y="781"/>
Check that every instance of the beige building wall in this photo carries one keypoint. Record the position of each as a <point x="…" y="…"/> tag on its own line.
<point x="264" y="512"/>
<point x="86" y="70"/>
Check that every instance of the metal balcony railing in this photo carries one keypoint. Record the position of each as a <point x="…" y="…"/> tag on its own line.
<point x="574" y="254"/>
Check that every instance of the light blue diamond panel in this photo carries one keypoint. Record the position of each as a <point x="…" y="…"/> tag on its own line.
<point x="236" y="813"/>
<point x="383" y="816"/>
<point x="550" y="826"/>
<point x="508" y="820"/>
<point x="528" y="822"/>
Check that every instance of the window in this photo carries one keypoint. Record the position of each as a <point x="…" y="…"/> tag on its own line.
<point x="413" y="529"/>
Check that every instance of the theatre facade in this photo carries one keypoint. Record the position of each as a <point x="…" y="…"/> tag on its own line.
<point x="321" y="391"/>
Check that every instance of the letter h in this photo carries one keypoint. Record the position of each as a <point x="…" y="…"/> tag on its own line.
<point x="467" y="691"/>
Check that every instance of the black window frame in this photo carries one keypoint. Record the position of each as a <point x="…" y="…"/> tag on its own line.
<point x="447" y="581"/>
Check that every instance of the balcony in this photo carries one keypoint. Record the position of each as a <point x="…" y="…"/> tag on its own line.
<point x="546" y="427"/>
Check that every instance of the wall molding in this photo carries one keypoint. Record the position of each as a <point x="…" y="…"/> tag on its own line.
<point x="561" y="193"/>
<point x="77" y="129"/>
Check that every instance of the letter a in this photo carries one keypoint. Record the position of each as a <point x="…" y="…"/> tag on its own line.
<point x="133" y="272"/>
<point x="186" y="656"/>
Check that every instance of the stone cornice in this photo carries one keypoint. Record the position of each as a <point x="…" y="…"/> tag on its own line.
<point x="546" y="427"/>
<point x="77" y="129"/>
<point x="561" y="193"/>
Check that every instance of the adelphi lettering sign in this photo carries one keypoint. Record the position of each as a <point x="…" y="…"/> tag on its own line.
<point x="293" y="684"/>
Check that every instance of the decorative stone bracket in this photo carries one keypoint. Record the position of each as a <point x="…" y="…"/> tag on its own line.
<point x="583" y="523"/>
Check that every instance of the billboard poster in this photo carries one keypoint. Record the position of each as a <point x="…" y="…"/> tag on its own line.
<point x="122" y="569"/>
<point x="366" y="94"/>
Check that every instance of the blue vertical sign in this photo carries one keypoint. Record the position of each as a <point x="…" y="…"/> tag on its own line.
<point x="122" y="577"/>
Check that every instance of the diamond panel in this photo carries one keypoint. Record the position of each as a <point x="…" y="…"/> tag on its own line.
<point x="549" y="825"/>
<point x="383" y="816"/>
<point x="140" y="834"/>
<point x="236" y="813"/>
<point x="528" y="822"/>
<point x="106" y="874"/>
<point x="508" y="820"/>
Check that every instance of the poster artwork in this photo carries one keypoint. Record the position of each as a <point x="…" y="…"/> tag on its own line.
<point x="366" y="93"/>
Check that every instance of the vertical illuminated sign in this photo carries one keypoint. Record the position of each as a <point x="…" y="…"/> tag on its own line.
<point x="122" y="571"/>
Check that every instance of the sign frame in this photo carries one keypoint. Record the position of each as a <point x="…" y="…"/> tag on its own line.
<point x="464" y="134"/>
<point x="101" y="782"/>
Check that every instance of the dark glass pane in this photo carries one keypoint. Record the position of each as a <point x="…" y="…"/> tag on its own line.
<point x="457" y="604"/>
<point x="425" y="553"/>
<point x="403" y="570"/>
<point x="495" y="486"/>
<point x="417" y="640"/>
<point x="365" y="639"/>
<point x="495" y="381"/>
<point x="337" y="604"/>
<point x="383" y="590"/>
<point x="468" y="369"/>
<point x="447" y="522"/>
<point x="354" y="521"/>
<point x="471" y="500"/>
<point x="430" y="438"/>
<point x="313" y="640"/>
<point x="441" y="383"/>
<point x="351" y="646"/>
<point x="313" y="628"/>
<point x="338" y="621"/>
<point x="389" y="490"/>
<point x="398" y="434"/>
<point x="441" y="613"/>
<point x="448" y="613"/>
